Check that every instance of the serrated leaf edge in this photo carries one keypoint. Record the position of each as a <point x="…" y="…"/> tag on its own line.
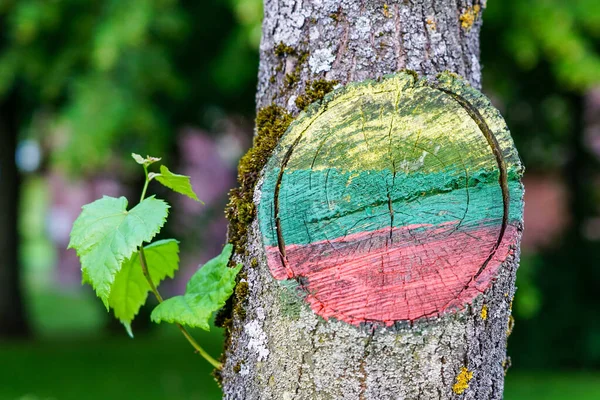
<point x="112" y="274"/>
<point x="127" y="324"/>
<point x="174" y="319"/>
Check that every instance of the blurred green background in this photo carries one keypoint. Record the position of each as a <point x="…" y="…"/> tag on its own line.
<point x="85" y="83"/>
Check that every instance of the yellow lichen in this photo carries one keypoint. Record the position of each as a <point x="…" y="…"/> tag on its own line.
<point x="511" y="325"/>
<point x="506" y="365"/>
<point x="462" y="381"/>
<point x="467" y="19"/>
<point x="386" y="11"/>
<point x="484" y="312"/>
<point x="431" y="23"/>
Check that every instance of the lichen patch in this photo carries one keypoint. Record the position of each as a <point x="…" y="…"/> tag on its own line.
<point x="321" y="60"/>
<point x="462" y="381"/>
<point x="467" y="19"/>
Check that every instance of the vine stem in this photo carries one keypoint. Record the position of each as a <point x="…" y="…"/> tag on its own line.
<point x="145" y="184"/>
<point x="159" y="298"/>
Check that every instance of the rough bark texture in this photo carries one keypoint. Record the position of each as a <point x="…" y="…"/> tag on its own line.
<point x="279" y="348"/>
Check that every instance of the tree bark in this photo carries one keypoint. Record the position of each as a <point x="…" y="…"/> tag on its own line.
<point x="275" y="353"/>
<point x="12" y="314"/>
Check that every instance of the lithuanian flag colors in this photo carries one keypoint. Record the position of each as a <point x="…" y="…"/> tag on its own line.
<point x="392" y="200"/>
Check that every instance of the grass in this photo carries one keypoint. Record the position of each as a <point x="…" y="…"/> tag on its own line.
<point x="70" y="362"/>
<point x="522" y="385"/>
<point x="151" y="367"/>
<point x="162" y="366"/>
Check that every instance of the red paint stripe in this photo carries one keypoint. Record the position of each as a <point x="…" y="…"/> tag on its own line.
<point x="412" y="273"/>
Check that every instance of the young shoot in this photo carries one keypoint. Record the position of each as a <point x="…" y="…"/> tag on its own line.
<point x="122" y="265"/>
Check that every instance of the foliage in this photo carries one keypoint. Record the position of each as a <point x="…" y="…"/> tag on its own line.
<point x="109" y="241"/>
<point x="93" y="69"/>
<point x="540" y="59"/>
<point x="177" y="183"/>
<point x="207" y="291"/>
<point x="106" y="234"/>
<point x="537" y="58"/>
<point x="95" y="75"/>
<point x="565" y="33"/>
<point x="130" y="289"/>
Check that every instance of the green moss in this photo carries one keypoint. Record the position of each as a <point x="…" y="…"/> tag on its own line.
<point x="506" y="364"/>
<point x="315" y="90"/>
<point x="241" y="290"/>
<point x="303" y="58"/>
<point x="239" y="311"/>
<point x="216" y="373"/>
<point x="223" y="316"/>
<point x="413" y="73"/>
<point x="241" y="293"/>
<point x="283" y="49"/>
<point x="271" y="123"/>
<point x="292" y="79"/>
<point x="254" y="263"/>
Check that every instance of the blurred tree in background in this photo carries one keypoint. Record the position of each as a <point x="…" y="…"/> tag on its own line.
<point x="92" y="76"/>
<point x="541" y="60"/>
<point x="92" y="81"/>
<point x="85" y="78"/>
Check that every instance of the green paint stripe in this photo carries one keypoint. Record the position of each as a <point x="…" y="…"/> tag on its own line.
<point x="324" y="205"/>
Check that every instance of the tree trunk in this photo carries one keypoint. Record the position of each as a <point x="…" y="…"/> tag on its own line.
<point x="12" y="315"/>
<point x="367" y="341"/>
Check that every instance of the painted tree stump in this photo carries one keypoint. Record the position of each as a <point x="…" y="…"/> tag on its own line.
<point x="392" y="200"/>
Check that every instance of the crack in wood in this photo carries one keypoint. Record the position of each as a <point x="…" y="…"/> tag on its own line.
<point x="323" y="228"/>
<point x="503" y="178"/>
<point x="280" y="240"/>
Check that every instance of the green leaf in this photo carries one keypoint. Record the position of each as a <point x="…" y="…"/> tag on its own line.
<point x="105" y="234"/>
<point x="178" y="183"/>
<point x="130" y="289"/>
<point x="206" y="292"/>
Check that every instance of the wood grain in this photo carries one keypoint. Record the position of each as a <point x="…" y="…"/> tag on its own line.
<point x="392" y="200"/>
